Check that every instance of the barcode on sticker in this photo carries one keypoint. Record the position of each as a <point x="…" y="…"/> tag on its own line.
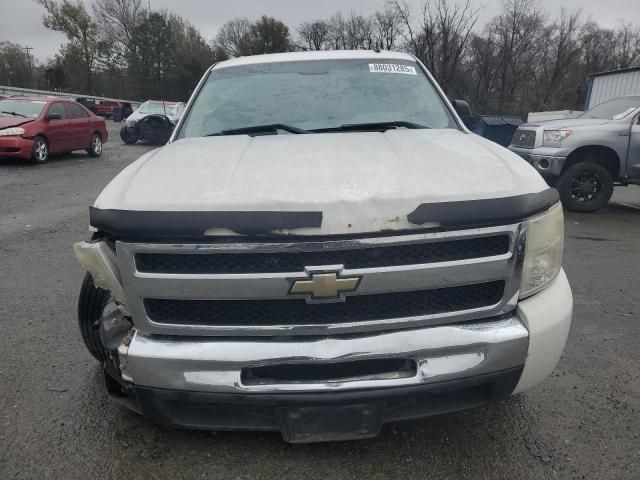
<point x="392" y="68"/>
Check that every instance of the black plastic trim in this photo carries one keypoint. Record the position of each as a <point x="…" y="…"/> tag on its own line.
<point x="230" y="411"/>
<point x="492" y="211"/>
<point x="145" y="224"/>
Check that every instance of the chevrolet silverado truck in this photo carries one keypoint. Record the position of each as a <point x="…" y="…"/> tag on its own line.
<point x="584" y="157"/>
<point x="320" y="249"/>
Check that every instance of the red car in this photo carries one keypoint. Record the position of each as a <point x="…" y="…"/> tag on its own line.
<point x="106" y="108"/>
<point x="34" y="127"/>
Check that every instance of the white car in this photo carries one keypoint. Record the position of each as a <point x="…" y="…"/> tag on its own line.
<point x="322" y="248"/>
<point x="152" y="121"/>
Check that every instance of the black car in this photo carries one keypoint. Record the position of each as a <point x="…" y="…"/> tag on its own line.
<point x="88" y="103"/>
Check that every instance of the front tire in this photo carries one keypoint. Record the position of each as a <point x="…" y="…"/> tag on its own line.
<point x="585" y="187"/>
<point x="127" y="137"/>
<point x="40" y="150"/>
<point x="95" y="147"/>
<point x="90" y="307"/>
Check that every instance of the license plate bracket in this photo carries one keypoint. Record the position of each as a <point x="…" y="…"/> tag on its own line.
<point x="329" y="423"/>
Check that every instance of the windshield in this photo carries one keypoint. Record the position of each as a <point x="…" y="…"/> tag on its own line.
<point x="615" y="109"/>
<point x="158" y="108"/>
<point x="21" y="108"/>
<point x="316" y="94"/>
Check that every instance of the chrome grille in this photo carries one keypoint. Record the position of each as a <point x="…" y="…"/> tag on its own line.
<point x="273" y="262"/>
<point x="436" y="278"/>
<point x="298" y="312"/>
<point x="524" y="138"/>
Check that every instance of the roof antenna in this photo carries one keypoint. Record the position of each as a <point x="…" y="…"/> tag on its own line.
<point x="164" y="108"/>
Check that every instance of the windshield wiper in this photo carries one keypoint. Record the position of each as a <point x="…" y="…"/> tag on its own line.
<point x="15" y="114"/>
<point x="274" y="127"/>
<point x="365" y="127"/>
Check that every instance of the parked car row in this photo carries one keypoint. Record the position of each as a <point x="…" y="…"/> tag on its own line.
<point x="36" y="127"/>
<point x="115" y="110"/>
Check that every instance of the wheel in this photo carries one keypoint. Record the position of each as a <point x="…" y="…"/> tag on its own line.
<point x="90" y="306"/>
<point x="40" y="150"/>
<point x="95" y="147"/>
<point x="585" y="187"/>
<point x="127" y="137"/>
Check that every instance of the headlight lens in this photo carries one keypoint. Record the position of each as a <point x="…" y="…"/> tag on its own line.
<point x="102" y="264"/>
<point x="554" y="138"/>
<point x="543" y="254"/>
<point x="10" y="132"/>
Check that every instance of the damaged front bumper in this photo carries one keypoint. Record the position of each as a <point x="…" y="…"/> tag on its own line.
<point x="319" y="389"/>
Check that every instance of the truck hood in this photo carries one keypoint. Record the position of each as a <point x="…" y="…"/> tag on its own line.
<point x="571" y="123"/>
<point x="359" y="181"/>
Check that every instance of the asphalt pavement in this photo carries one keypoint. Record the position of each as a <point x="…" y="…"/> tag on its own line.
<point x="56" y="421"/>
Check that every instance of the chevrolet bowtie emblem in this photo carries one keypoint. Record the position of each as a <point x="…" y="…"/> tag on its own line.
<point x="324" y="286"/>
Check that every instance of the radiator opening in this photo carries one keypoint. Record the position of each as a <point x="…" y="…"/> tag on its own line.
<point x="358" y="370"/>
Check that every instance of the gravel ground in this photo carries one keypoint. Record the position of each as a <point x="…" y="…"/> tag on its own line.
<point x="57" y="422"/>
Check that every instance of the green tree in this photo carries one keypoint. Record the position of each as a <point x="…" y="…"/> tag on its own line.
<point x="14" y="66"/>
<point x="71" y="18"/>
<point x="192" y="56"/>
<point x="155" y="54"/>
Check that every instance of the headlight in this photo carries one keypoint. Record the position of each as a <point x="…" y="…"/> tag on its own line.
<point x="101" y="262"/>
<point x="553" y="138"/>
<point x="543" y="254"/>
<point x="14" y="131"/>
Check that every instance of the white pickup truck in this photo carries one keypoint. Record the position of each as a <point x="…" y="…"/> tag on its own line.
<point x="323" y="248"/>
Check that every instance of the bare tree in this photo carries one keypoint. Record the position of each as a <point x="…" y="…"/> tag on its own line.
<point x="514" y="33"/>
<point x="387" y="27"/>
<point x="596" y="45"/>
<point x="234" y="37"/>
<point x="337" y="38"/>
<point x="314" y="35"/>
<point x="118" y="20"/>
<point x="440" y="36"/>
<point x="358" y="32"/>
<point x="560" y="50"/>
<point x="627" y="46"/>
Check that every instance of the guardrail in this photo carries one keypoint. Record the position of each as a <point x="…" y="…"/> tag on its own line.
<point x="29" y="92"/>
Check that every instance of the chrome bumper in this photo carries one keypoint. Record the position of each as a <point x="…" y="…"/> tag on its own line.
<point x="546" y="164"/>
<point x="210" y="364"/>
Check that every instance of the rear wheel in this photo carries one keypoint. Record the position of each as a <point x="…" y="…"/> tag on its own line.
<point x="95" y="147"/>
<point x="40" y="150"/>
<point x="90" y="307"/>
<point x="585" y="187"/>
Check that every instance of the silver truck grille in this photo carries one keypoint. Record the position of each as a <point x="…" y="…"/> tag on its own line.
<point x="240" y="289"/>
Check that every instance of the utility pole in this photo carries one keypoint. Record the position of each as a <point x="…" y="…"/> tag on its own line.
<point x="28" y="50"/>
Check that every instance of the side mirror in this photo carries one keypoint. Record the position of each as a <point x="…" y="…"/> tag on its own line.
<point x="462" y="108"/>
<point x="54" y="116"/>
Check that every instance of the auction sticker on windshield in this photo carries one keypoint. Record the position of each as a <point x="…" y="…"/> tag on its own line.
<point x="392" y="68"/>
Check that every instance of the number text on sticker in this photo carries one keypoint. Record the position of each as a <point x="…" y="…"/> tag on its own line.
<point x="392" y="68"/>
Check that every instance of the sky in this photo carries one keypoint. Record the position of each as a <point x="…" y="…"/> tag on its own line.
<point x="21" y="21"/>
